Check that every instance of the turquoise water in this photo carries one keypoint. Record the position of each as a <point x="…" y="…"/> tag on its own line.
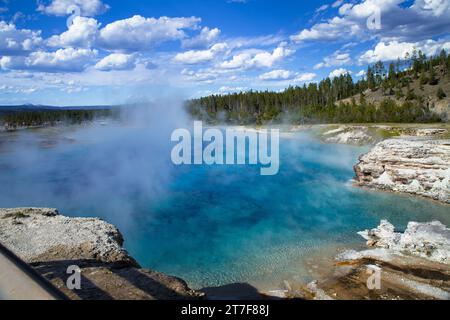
<point x="208" y="225"/>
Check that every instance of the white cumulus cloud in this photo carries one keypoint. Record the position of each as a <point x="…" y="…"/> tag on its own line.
<point x="62" y="60"/>
<point x="82" y="33"/>
<point x="200" y="56"/>
<point x="66" y="7"/>
<point x="305" y="77"/>
<point x="261" y="59"/>
<point x="140" y="33"/>
<point x="335" y="60"/>
<point x="338" y="72"/>
<point x="116" y="61"/>
<point x="283" y="75"/>
<point x="207" y="75"/>
<point x="393" y="50"/>
<point x="15" y="41"/>
<point x="277" y="75"/>
<point x="420" y="20"/>
<point x="205" y="38"/>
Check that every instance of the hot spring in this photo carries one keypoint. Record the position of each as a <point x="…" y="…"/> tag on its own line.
<point x="210" y="225"/>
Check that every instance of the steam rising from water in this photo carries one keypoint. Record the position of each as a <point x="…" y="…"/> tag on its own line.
<point x="117" y="165"/>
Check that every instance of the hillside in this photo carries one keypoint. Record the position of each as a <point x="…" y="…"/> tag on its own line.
<point x="413" y="90"/>
<point x="428" y="92"/>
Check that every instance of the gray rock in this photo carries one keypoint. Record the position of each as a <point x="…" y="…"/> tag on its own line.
<point x="427" y="240"/>
<point x="415" y="166"/>
<point x="51" y="243"/>
<point x="413" y="265"/>
<point x="383" y="236"/>
<point x="42" y="234"/>
<point x="318" y="293"/>
<point x="356" y="135"/>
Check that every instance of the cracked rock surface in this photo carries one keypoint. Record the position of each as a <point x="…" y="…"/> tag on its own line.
<point x="415" y="166"/>
<point x="51" y="243"/>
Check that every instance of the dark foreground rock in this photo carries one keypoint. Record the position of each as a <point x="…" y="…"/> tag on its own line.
<point x="51" y="243"/>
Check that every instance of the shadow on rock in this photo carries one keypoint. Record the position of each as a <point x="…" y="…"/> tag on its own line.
<point x="109" y="281"/>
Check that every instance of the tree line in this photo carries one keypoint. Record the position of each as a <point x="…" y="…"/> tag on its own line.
<point x="32" y="118"/>
<point x="321" y="102"/>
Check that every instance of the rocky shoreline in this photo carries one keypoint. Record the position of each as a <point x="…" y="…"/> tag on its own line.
<point x="411" y="265"/>
<point x="416" y="166"/>
<point x="370" y="134"/>
<point x="414" y="264"/>
<point x="51" y="243"/>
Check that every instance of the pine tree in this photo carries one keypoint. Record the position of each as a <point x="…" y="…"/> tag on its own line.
<point x="362" y="99"/>
<point x="370" y="79"/>
<point x="379" y="72"/>
<point x="392" y="72"/>
<point x="433" y="80"/>
<point x="443" y="58"/>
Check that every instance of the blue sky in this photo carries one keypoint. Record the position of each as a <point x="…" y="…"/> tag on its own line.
<point x="86" y="52"/>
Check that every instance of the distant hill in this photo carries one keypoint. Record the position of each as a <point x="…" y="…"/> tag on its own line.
<point x="413" y="90"/>
<point x="421" y="90"/>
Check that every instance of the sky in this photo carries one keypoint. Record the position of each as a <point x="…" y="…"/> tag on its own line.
<point x="108" y="52"/>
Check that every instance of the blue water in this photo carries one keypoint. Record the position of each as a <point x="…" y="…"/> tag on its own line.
<point x="208" y="225"/>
